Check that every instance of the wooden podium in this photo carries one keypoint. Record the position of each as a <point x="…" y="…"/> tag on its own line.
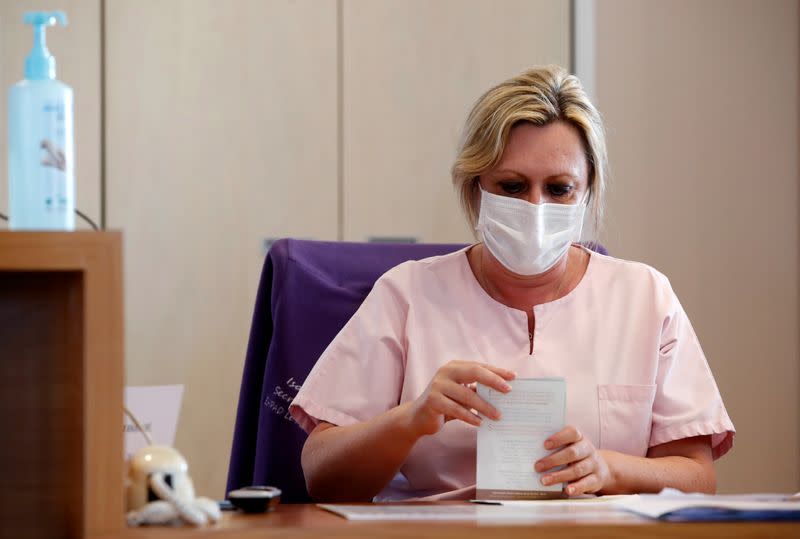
<point x="61" y="376"/>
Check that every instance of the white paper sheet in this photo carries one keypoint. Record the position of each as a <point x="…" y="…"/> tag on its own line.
<point x="157" y="408"/>
<point x="534" y="513"/>
<point x="532" y="411"/>
<point x="610" y="500"/>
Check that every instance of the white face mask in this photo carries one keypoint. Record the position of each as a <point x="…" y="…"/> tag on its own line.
<point x="526" y="238"/>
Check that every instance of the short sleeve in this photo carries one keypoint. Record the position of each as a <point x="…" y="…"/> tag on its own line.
<point x="687" y="401"/>
<point x="360" y="373"/>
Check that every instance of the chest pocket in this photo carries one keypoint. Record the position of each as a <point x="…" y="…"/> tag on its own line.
<point x="626" y="415"/>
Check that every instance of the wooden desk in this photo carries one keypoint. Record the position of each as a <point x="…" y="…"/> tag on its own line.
<point x="302" y="521"/>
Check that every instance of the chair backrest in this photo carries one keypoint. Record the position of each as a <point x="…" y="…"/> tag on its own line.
<point x="308" y="291"/>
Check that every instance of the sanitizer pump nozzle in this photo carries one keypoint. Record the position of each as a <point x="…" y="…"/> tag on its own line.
<point x="40" y="64"/>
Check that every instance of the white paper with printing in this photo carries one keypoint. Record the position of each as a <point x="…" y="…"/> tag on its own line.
<point x="157" y="409"/>
<point x="533" y="410"/>
<point x="531" y="513"/>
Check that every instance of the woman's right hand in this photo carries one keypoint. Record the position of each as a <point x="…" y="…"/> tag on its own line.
<point x="451" y="395"/>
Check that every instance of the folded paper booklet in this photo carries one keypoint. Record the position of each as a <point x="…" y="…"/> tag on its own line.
<point x="673" y="505"/>
<point x="533" y="410"/>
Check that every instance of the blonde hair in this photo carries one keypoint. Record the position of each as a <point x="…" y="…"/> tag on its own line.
<point x="540" y="95"/>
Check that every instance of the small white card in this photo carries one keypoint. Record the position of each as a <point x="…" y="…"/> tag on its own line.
<point x="157" y="409"/>
<point x="533" y="410"/>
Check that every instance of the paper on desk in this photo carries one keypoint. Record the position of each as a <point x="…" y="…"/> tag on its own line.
<point x="157" y="409"/>
<point x="671" y="504"/>
<point x="481" y="513"/>
<point x="532" y="411"/>
<point x="610" y="500"/>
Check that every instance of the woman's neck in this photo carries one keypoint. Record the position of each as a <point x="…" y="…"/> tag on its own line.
<point x="523" y="292"/>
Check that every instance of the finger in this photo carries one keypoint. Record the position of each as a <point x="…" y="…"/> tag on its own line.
<point x="500" y="371"/>
<point x="446" y="406"/>
<point x="506" y="374"/>
<point x="567" y="455"/>
<point x="573" y="472"/>
<point x="469" y="399"/>
<point x="586" y="485"/>
<point x="467" y="373"/>
<point x="567" y="435"/>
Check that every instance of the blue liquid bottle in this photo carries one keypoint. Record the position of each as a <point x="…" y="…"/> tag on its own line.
<point x="41" y="178"/>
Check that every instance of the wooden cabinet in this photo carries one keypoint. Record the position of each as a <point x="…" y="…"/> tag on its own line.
<point x="60" y="384"/>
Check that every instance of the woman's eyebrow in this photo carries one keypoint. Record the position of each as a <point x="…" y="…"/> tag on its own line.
<point x="557" y="176"/>
<point x="506" y="171"/>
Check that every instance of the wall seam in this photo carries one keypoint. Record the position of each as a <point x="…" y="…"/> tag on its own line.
<point x="572" y="36"/>
<point x="339" y="120"/>
<point x="582" y="53"/>
<point x="103" y="188"/>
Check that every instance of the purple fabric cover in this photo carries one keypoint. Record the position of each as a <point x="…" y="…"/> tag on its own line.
<point x="308" y="291"/>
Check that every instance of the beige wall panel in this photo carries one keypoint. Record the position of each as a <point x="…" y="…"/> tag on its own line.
<point x="221" y="132"/>
<point x="77" y="51"/>
<point x="701" y="104"/>
<point x="412" y="70"/>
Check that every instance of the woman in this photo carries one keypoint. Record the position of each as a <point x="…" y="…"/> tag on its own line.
<point x="389" y="404"/>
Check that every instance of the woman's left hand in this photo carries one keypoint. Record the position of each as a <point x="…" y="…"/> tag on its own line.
<point x="585" y="469"/>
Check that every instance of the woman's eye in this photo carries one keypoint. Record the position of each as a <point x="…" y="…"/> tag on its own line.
<point x="559" y="190"/>
<point x="512" y="188"/>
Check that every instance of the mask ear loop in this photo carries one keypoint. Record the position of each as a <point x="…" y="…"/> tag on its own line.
<point x="478" y="226"/>
<point x="585" y="204"/>
<point x="586" y="198"/>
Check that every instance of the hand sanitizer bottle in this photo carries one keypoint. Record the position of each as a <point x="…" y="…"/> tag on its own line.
<point x="41" y="179"/>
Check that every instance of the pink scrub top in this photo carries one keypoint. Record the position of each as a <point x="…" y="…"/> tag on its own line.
<point x="636" y="375"/>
